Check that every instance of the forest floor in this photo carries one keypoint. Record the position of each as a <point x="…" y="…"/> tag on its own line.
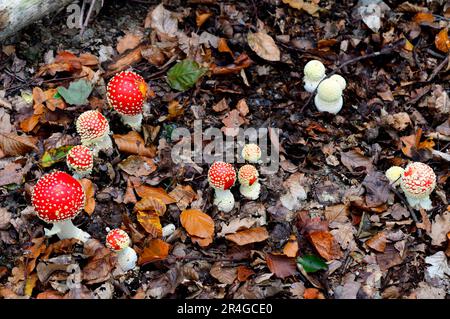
<point x="327" y="223"/>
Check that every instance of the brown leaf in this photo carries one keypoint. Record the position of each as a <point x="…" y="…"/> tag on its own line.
<point x="291" y="247"/>
<point x="28" y="124"/>
<point x="310" y="7"/>
<point x="123" y="61"/>
<point x="5" y="218"/>
<point x="440" y="228"/>
<point x="158" y="192"/>
<point x="34" y="252"/>
<point x="129" y="196"/>
<point x="12" y="144"/>
<point x="243" y="273"/>
<point x="325" y="245"/>
<point x="64" y="246"/>
<point x="100" y="263"/>
<point x="225" y="275"/>
<point x="232" y="121"/>
<point x="241" y="62"/>
<point x="222" y="105"/>
<point x="377" y="242"/>
<point x="150" y="222"/>
<point x="49" y="294"/>
<point x="264" y="45"/>
<point x="156" y="249"/>
<point x="354" y="159"/>
<point x="203" y="242"/>
<point x="184" y="195"/>
<point x="197" y="223"/>
<point x="425" y="224"/>
<point x="242" y="107"/>
<point x="442" y="41"/>
<point x="282" y="266"/>
<point x="249" y="236"/>
<point x="12" y="173"/>
<point x="223" y="47"/>
<point x="66" y="61"/>
<point x="423" y="17"/>
<point x="163" y="21"/>
<point x="389" y="258"/>
<point x="175" y="110"/>
<point x="201" y="18"/>
<point x="153" y="204"/>
<point x="133" y="143"/>
<point x="129" y="41"/>
<point x="153" y="55"/>
<point x="89" y="191"/>
<point x="377" y="189"/>
<point x="137" y="165"/>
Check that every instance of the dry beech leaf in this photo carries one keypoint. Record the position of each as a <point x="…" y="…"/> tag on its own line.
<point x="12" y="144"/>
<point x="175" y="109"/>
<point x="243" y="273"/>
<point x="377" y="242"/>
<point x="137" y="165"/>
<point x="129" y="41"/>
<point x="66" y="61"/>
<point x="280" y="265"/>
<point x="197" y="223"/>
<point x="28" y="124"/>
<point x="220" y="106"/>
<point x="442" y="41"/>
<point x="200" y="18"/>
<point x="184" y="195"/>
<point x="249" y="236"/>
<point x="440" y="229"/>
<point x="133" y="143"/>
<point x="223" y="47"/>
<point x="263" y="45"/>
<point x="423" y="17"/>
<point x="129" y="196"/>
<point x="313" y="293"/>
<point x="203" y="242"/>
<point x="225" y="275"/>
<point x="325" y="244"/>
<point x="163" y="21"/>
<point x="145" y="191"/>
<point x="89" y="191"/>
<point x="308" y="6"/>
<point x="291" y="247"/>
<point x="34" y="252"/>
<point x="152" y="204"/>
<point x="150" y="222"/>
<point x="242" y="107"/>
<point x="156" y="249"/>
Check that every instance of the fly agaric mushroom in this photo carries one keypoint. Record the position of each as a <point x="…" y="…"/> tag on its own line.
<point x="119" y="241"/>
<point x="80" y="159"/>
<point x="57" y="198"/>
<point x="248" y="178"/>
<point x="329" y="96"/>
<point x="417" y="182"/>
<point x="314" y="73"/>
<point x="221" y="176"/>
<point x="126" y="93"/>
<point x="251" y="153"/>
<point x="339" y="79"/>
<point x="93" y="128"/>
<point x="394" y="174"/>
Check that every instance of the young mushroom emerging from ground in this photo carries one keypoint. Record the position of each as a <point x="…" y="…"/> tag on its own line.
<point x="251" y="153"/>
<point x="80" y="160"/>
<point x="221" y="176"/>
<point x="126" y="93"/>
<point x="57" y="198"/>
<point x="93" y="129"/>
<point x="314" y="72"/>
<point x="393" y="174"/>
<point x="329" y="96"/>
<point x="417" y="182"/>
<point x="248" y="178"/>
<point x="119" y="241"/>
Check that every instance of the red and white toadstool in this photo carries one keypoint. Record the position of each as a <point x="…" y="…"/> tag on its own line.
<point x="119" y="241"/>
<point x="251" y="153"/>
<point x="126" y="93"/>
<point x="57" y="198"/>
<point x="80" y="159"/>
<point x="248" y="178"/>
<point x="221" y="176"/>
<point x="417" y="182"/>
<point x="93" y="128"/>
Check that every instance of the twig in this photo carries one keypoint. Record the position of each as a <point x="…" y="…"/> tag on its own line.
<point x="411" y="211"/>
<point x="386" y="50"/>
<point x="438" y="68"/>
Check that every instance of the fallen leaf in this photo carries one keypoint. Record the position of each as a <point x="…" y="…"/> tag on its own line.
<point x="313" y="293"/>
<point x="133" y="143"/>
<point x="137" y="165"/>
<point x="290" y="249"/>
<point x="225" y="275"/>
<point x="197" y="223"/>
<point x="241" y="62"/>
<point x="163" y="21"/>
<point x="145" y="191"/>
<point x="89" y="191"/>
<point x="28" y="124"/>
<point x="153" y="204"/>
<point x="54" y="155"/>
<point x="439" y="268"/>
<point x="312" y="263"/>
<point x="129" y="41"/>
<point x="156" y="249"/>
<point x="308" y="6"/>
<point x="12" y="144"/>
<point x="280" y="265"/>
<point x="325" y="245"/>
<point x="423" y="17"/>
<point x="5" y="218"/>
<point x="150" y="222"/>
<point x="442" y="41"/>
<point x="77" y="93"/>
<point x="295" y="193"/>
<point x="223" y="47"/>
<point x="236" y="224"/>
<point x="30" y="283"/>
<point x="264" y="45"/>
<point x="232" y="122"/>
<point x="439" y="228"/>
<point x="354" y="159"/>
<point x="33" y="252"/>
<point x="200" y="18"/>
<point x="248" y="236"/>
<point x="184" y="75"/>
<point x="389" y="258"/>
<point x="184" y="195"/>
<point x="242" y="107"/>
<point x="220" y="106"/>
<point x="377" y="242"/>
<point x="100" y="264"/>
<point x="377" y="188"/>
<point x="243" y="273"/>
<point x="175" y="110"/>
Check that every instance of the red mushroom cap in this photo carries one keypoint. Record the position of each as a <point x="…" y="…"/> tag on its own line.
<point x="92" y="125"/>
<point x="80" y="158"/>
<point x="418" y="180"/>
<point x="57" y="196"/>
<point x="221" y="175"/>
<point x="126" y="93"/>
<point x="247" y="175"/>
<point x="117" y="239"/>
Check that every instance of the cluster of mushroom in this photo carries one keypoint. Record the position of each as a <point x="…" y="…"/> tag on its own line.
<point x="222" y="176"/>
<point x="417" y="181"/>
<point x="329" y="90"/>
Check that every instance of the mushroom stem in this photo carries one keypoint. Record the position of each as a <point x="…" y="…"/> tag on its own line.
<point x="133" y="121"/>
<point x="224" y="200"/>
<point x="311" y="85"/>
<point x="168" y="230"/>
<point x="331" y="107"/>
<point x="252" y="191"/>
<point x="418" y="203"/>
<point x="66" y="229"/>
<point x="127" y="258"/>
<point x="98" y="144"/>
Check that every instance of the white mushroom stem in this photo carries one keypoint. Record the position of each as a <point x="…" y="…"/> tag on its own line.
<point x="98" y="144"/>
<point x="250" y="192"/>
<point x="418" y="203"/>
<point x="224" y="200"/>
<point x="80" y="175"/>
<point x="66" y="229"/>
<point x="168" y="230"/>
<point x="133" y="121"/>
<point x="331" y="107"/>
<point x="127" y="258"/>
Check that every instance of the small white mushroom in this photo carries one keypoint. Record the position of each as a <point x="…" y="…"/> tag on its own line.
<point x="329" y="96"/>
<point x="314" y="72"/>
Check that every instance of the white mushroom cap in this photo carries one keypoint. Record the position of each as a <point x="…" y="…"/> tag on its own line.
<point x="314" y="70"/>
<point x="393" y="174"/>
<point x="339" y="79"/>
<point x="329" y="90"/>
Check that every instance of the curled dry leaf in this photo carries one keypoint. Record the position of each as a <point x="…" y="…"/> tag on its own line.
<point x="313" y="293"/>
<point x="249" y="236"/>
<point x="325" y="244"/>
<point x="137" y="165"/>
<point x="263" y="45"/>
<point x="89" y="191"/>
<point x="282" y="266"/>
<point x="243" y="273"/>
<point x="184" y="195"/>
<point x="241" y="62"/>
<point x="163" y="21"/>
<point x="133" y="143"/>
<point x="156" y="249"/>
<point x="12" y="144"/>
<point x="290" y="249"/>
<point x="225" y="275"/>
<point x="152" y="204"/>
<point x="150" y="222"/>
<point x="197" y="223"/>
<point x="442" y="41"/>
<point x="145" y="191"/>
<point x="308" y="6"/>
<point x="129" y="41"/>
<point x="175" y="110"/>
<point x="377" y="242"/>
<point x="440" y="228"/>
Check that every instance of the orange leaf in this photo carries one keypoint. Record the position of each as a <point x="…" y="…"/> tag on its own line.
<point x="137" y="165"/>
<point x="133" y="143"/>
<point x="249" y="236"/>
<point x="201" y="18"/>
<point x="157" y="192"/>
<point x="53" y="103"/>
<point x="28" y="124"/>
<point x="243" y="273"/>
<point x="441" y="41"/>
<point x="156" y="249"/>
<point x="175" y="109"/>
<point x="129" y="41"/>
<point x="203" y="242"/>
<point x="325" y="244"/>
<point x="39" y="96"/>
<point x="377" y="242"/>
<point x="313" y="293"/>
<point x="281" y="265"/>
<point x="150" y="222"/>
<point x="89" y="190"/>
<point x="423" y="17"/>
<point x="197" y="223"/>
<point x="291" y="247"/>
<point x="223" y="47"/>
<point x="49" y="294"/>
<point x="34" y="252"/>
<point x="184" y="195"/>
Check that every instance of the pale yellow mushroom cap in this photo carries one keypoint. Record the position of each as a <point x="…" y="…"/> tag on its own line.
<point x="393" y="174"/>
<point x="329" y="90"/>
<point x="339" y="79"/>
<point x="314" y="70"/>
